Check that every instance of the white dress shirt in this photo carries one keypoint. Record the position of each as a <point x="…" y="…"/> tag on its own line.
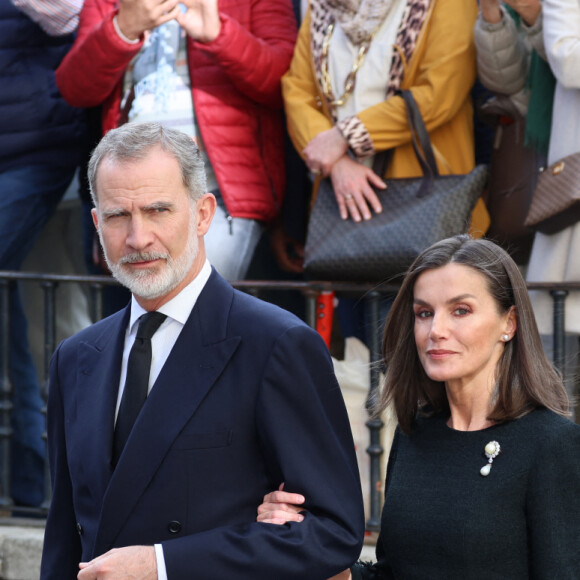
<point x="177" y="311"/>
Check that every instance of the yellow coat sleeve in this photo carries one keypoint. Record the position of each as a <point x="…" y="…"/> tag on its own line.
<point x="440" y="74"/>
<point x="305" y="113"/>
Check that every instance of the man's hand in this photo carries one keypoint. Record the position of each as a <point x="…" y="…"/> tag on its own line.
<point x="131" y="563"/>
<point x="324" y="151"/>
<point x="137" y="16"/>
<point x="201" y="21"/>
<point x="346" y="575"/>
<point x="352" y="187"/>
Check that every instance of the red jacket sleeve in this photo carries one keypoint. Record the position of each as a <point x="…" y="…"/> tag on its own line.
<point x="95" y="64"/>
<point x="257" y="55"/>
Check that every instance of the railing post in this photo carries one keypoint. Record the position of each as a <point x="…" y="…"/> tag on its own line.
<point x="255" y="292"/>
<point x="5" y="394"/>
<point x="49" y="289"/>
<point x="96" y="302"/>
<point x="559" y="344"/>
<point x="374" y="424"/>
<point x="310" y="315"/>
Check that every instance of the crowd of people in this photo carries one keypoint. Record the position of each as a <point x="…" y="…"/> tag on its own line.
<point x="254" y="85"/>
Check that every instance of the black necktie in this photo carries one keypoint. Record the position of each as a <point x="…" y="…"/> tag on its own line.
<point x="137" y="381"/>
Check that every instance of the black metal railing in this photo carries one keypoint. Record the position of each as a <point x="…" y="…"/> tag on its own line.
<point x="372" y="294"/>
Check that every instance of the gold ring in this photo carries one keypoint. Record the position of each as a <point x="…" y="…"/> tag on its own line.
<point x="316" y="172"/>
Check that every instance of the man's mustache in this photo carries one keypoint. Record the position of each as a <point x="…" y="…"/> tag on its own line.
<point x="143" y="257"/>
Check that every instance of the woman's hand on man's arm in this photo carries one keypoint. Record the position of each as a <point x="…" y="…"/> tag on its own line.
<point x="280" y="507"/>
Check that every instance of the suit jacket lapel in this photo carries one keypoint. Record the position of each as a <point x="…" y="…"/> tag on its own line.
<point x="96" y="397"/>
<point x="196" y="361"/>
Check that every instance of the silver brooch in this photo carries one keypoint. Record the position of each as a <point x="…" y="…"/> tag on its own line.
<point x="491" y="450"/>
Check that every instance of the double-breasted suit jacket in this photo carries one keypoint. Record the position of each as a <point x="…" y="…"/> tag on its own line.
<point x="246" y="400"/>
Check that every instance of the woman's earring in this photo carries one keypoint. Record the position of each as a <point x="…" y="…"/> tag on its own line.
<point x="506" y="337"/>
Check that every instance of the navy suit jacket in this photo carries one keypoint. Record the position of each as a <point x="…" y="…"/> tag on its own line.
<point x="247" y="399"/>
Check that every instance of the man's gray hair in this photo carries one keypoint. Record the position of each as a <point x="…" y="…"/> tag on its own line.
<point x="133" y="141"/>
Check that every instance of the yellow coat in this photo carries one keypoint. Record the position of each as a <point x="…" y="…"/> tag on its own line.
<point x="440" y="74"/>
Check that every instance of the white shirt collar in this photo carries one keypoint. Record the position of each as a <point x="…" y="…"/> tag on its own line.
<point x="178" y="308"/>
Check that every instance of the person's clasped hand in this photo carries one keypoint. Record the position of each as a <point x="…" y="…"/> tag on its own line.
<point x="327" y="155"/>
<point x="529" y="10"/>
<point x="201" y="19"/>
<point x="324" y="151"/>
<point x="135" y="17"/>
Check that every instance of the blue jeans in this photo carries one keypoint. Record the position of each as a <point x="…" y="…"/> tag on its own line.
<point x="29" y="196"/>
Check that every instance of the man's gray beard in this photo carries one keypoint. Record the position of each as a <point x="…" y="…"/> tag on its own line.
<point x="149" y="284"/>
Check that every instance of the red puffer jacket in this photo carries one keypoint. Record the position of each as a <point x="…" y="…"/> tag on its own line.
<point x="235" y="87"/>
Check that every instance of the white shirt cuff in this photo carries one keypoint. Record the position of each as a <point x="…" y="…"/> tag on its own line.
<point x="161" y="571"/>
<point x="121" y="35"/>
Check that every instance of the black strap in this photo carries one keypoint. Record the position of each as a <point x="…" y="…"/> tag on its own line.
<point x="419" y="133"/>
<point x="421" y="145"/>
<point x="381" y="162"/>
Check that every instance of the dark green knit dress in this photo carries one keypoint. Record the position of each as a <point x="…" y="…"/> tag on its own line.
<point x="443" y="520"/>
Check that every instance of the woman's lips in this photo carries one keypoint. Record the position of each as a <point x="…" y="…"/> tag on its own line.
<point x="439" y="353"/>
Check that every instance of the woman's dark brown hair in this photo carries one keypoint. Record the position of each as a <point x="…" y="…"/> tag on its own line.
<point x="525" y="377"/>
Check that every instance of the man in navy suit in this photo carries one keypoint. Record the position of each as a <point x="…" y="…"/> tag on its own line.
<point x="242" y="397"/>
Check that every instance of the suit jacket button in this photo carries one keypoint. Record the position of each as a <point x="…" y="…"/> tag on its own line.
<point x="79" y="529"/>
<point x="174" y="527"/>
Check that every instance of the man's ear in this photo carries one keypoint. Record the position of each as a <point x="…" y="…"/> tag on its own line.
<point x="95" y="217"/>
<point x="204" y="212"/>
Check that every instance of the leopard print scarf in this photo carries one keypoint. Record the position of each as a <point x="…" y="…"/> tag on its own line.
<point x="358" y="18"/>
<point x="323" y="13"/>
